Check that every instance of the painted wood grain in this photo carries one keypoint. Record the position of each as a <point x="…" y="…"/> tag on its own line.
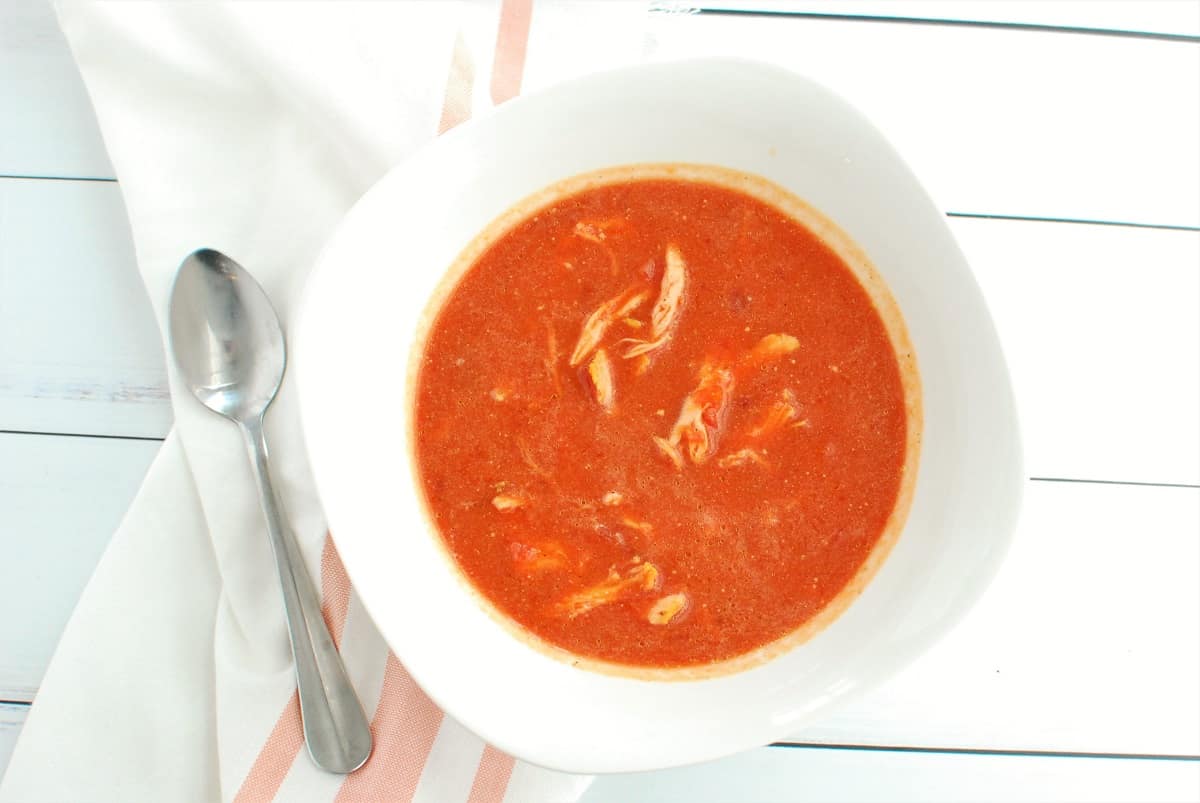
<point x="12" y="717"/>
<point x="79" y="347"/>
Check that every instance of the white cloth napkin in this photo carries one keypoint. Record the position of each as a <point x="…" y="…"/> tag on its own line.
<point x="252" y="128"/>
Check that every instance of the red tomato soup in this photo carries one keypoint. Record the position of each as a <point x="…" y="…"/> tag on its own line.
<point x="660" y="423"/>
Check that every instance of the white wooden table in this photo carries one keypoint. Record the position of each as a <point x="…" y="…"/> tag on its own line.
<point x="1063" y="140"/>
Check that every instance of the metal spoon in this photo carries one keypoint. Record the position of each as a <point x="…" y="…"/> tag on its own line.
<point x="229" y="347"/>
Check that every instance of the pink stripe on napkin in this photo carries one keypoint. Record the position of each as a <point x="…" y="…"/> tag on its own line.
<point x="287" y="737"/>
<point x="456" y="107"/>
<point x="275" y="758"/>
<point x="491" y="780"/>
<point x="511" y="40"/>
<point x="405" y="725"/>
<point x="335" y="590"/>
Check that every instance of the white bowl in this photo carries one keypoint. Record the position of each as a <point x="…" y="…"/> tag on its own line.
<point x="369" y="290"/>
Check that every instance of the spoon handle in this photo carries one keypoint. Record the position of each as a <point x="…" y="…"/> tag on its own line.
<point x="335" y="728"/>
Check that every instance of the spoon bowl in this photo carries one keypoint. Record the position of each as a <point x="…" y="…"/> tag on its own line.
<point x="225" y="336"/>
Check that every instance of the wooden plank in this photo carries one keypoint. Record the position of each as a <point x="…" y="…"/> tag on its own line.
<point x="1110" y="395"/>
<point x="62" y="499"/>
<point x="1170" y="17"/>
<point x="998" y="121"/>
<point x="1101" y="327"/>
<point x="79" y="347"/>
<point x="47" y="127"/>
<point x="1087" y="641"/>
<point x="774" y="775"/>
<point x="1098" y="601"/>
<point x="981" y="125"/>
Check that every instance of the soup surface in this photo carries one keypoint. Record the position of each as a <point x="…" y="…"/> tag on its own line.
<point x="660" y="423"/>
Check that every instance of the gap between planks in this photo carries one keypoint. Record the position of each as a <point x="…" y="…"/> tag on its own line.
<point x="979" y="751"/>
<point x="82" y="435"/>
<point x="1036" y="27"/>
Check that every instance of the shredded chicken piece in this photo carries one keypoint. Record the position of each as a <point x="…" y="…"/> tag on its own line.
<point x="598" y="322"/>
<point x="667" y="608"/>
<point x="506" y="502"/>
<point x="589" y="231"/>
<point x="532" y="464"/>
<point x="639" y="577"/>
<point x="741" y="457"/>
<point x="666" y="308"/>
<point x="778" y="415"/>
<point x="608" y="533"/>
<point x="700" y="416"/>
<point x="597" y="231"/>
<point x="637" y="524"/>
<point x="542" y="557"/>
<point x="670" y="294"/>
<point x="670" y="450"/>
<point x="599" y="372"/>
<point x="771" y="347"/>
<point x="552" y="357"/>
<point x="633" y="323"/>
<point x="634" y="301"/>
<point x="613" y="498"/>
